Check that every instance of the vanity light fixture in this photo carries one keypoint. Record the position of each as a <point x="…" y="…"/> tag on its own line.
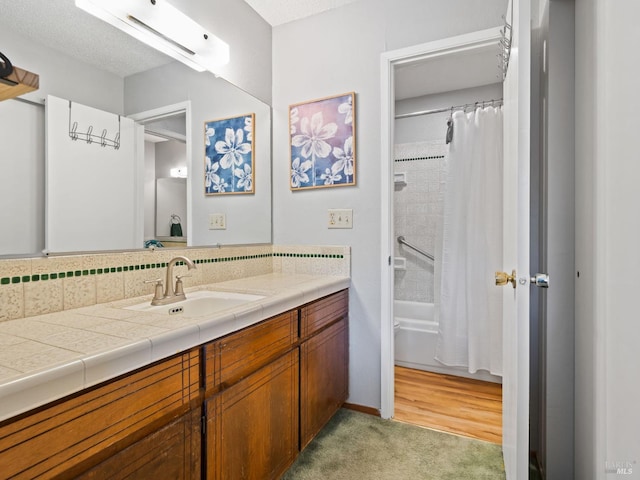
<point x="163" y="27"/>
<point x="180" y="172"/>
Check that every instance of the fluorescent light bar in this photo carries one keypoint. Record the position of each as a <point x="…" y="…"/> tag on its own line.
<point x="180" y="172"/>
<point x="163" y="27"/>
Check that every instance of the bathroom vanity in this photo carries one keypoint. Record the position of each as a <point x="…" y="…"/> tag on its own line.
<point x="241" y="405"/>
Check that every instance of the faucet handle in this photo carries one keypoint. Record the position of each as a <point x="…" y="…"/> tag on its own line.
<point x="158" y="289"/>
<point x="179" y="286"/>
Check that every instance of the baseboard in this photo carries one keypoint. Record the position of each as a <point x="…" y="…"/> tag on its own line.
<point x="362" y="409"/>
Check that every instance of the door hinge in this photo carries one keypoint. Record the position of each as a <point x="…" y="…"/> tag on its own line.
<point x="203" y="425"/>
<point x="389" y="260"/>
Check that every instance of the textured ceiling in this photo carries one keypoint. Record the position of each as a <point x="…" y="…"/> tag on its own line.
<point x="277" y="12"/>
<point x="60" y="25"/>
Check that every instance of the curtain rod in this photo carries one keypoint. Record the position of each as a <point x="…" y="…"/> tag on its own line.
<point x="449" y="109"/>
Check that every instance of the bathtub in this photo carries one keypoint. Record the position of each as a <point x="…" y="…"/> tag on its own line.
<point x="416" y="337"/>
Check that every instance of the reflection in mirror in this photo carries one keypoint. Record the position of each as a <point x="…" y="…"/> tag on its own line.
<point x="165" y="180"/>
<point x="81" y="59"/>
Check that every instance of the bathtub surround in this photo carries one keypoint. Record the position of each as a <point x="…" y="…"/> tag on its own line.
<point x="38" y="286"/>
<point x="416" y="340"/>
<point x="418" y="215"/>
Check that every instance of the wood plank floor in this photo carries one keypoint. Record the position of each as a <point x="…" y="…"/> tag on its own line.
<point x="463" y="406"/>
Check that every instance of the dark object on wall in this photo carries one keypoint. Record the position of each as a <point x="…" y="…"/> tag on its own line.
<point x="6" y="68"/>
<point x="176" y="227"/>
<point x="15" y="81"/>
<point x="449" y="131"/>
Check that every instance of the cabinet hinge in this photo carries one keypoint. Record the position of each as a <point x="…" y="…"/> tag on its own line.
<point x="203" y="426"/>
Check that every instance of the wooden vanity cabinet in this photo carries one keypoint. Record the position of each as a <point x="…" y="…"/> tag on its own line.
<point x="252" y="391"/>
<point x="324" y="362"/>
<point x="240" y="407"/>
<point x="128" y="414"/>
<point x="271" y="387"/>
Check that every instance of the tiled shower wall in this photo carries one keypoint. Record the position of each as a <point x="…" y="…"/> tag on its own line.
<point x="418" y="216"/>
<point x="37" y="286"/>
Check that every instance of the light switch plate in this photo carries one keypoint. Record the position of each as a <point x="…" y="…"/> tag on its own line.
<point x="217" y="221"/>
<point x="340" y="218"/>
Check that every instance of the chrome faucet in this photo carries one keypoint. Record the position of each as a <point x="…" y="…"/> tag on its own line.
<point x="171" y="294"/>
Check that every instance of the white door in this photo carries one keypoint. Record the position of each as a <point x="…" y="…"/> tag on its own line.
<point x="92" y="190"/>
<point x="515" y="381"/>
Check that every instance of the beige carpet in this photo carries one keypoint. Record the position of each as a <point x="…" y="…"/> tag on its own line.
<point x="357" y="446"/>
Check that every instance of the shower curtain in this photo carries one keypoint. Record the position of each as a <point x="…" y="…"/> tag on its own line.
<point x="469" y="306"/>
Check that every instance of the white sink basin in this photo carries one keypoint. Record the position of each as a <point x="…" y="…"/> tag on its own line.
<point x="200" y="303"/>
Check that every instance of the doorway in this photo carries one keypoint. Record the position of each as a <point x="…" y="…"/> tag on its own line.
<point x="427" y="76"/>
<point x="421" y="81"/>
<point x="167" y="163"/>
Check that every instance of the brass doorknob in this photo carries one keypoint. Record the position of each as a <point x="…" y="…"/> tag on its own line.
<point x="502" y="278"/>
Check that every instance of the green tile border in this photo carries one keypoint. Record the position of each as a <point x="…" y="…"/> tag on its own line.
<point x="42" y="277"/>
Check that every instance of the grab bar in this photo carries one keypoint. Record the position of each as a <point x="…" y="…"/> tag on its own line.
<point x="402" y="241"/>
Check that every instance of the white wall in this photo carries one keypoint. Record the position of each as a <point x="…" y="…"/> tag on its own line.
<point x="335" y="52"/>
<point x="607" y="232"/>
<point x="248" y="216"/>
<point x="588" y="360"/>
<point x="22" y="178"/>
<point x="617" y="156"/>
<point x="169" y="154"/>
<point x="249" y="38"/>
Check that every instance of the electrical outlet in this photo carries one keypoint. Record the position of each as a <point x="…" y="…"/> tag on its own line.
<point x="340" y="218"/>
<point x="217" y="221"/>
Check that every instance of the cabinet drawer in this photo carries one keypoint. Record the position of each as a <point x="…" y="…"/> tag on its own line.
<point x="73" y="434"/>
<point x="319" y="314"/>
<point x="235" y="356"/>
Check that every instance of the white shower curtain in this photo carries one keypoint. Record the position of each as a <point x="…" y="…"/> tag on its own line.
<point x="469" y="305"/>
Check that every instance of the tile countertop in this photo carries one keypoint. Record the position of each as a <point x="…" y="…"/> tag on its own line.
<point x="47" y="357"/>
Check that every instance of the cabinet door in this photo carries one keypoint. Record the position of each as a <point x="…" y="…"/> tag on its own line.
<point x="252" y="427"/>
<point x="324" y="378"/>
<point x="173" y="452"/>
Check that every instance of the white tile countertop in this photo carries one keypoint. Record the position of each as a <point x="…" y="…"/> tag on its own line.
<point x="47" y="357"/>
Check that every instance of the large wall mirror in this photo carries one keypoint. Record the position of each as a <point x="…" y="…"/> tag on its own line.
<point x="84" y="63"/>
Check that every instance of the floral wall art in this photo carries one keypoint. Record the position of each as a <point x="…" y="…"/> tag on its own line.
<point x="323" y="142"/>
<point x="229" y="162"/>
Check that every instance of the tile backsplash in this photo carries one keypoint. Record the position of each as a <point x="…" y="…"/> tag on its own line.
<point x="37" y="286"/>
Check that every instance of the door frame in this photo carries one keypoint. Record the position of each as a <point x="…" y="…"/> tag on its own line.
<point x="156" y="114"/>
<point x="439" y="48"/>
